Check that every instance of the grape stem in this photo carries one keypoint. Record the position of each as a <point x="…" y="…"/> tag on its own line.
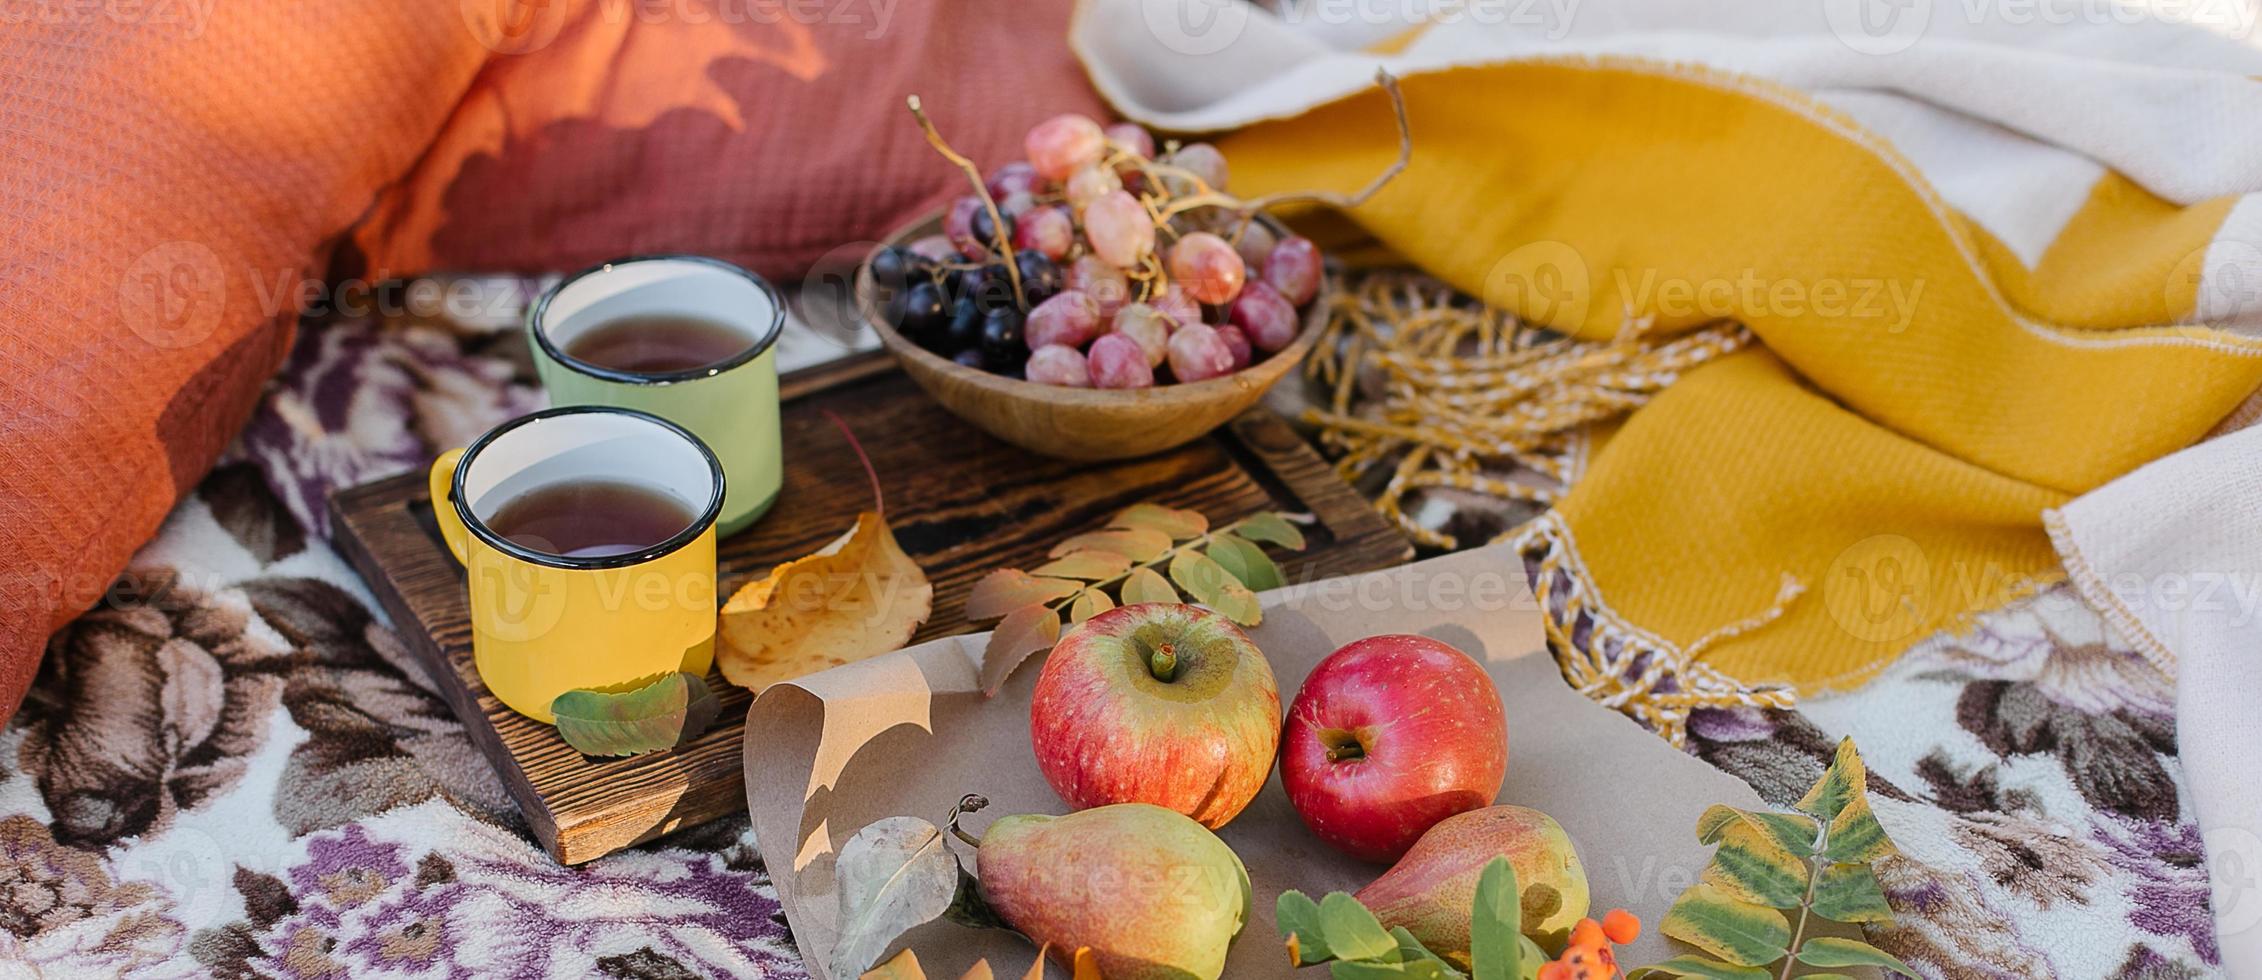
<point x="982" y="191"/>
<point x="1247" y="210"/>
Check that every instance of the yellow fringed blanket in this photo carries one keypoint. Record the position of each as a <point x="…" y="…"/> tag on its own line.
<point x="1929" y="381"/>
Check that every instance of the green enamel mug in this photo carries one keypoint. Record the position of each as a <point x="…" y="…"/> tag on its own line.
<point x="731" y="404"/>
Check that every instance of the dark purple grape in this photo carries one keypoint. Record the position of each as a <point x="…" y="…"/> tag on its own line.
<point x="1002" y="348"/>
<point x="1040" y="278"/>
<point x="894" y="266"/>
<point x="990" y="287"/>
<point x="985" y="231"/>
<point x="964" y="332"/>
<point x="968" y="358"/>
<point x="923" y="316"/>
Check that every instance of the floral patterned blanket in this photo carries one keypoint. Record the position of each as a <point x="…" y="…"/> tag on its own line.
<point x="231" y="769"/>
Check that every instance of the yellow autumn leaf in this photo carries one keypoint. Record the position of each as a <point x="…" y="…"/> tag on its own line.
<point x="859" y="597"/>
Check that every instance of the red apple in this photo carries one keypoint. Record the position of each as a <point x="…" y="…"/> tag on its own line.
<point x="1388" y="736"/>
<point x="1160" y="703"/>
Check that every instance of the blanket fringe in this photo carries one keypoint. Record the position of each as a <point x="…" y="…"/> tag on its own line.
<point x="1620" y="665"/>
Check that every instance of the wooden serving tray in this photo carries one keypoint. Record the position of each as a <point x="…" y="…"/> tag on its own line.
<point x="962" y="503"/>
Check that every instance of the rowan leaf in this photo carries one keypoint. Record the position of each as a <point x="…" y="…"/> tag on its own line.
<point x="1752" y="866"/>
<point x="855" y="599"/>
<point x="1833" y="951"/>
<point x="1271" y="528"/>
<point x="1090" y="566"/>
<point x="1795" y="832"/>
<point x="1089" y="604"/>
<point x="1728" y="927"/>
<point x="665" y="712"/>
<point x="1850" y="893"/>
<point x="1147" y="585"/>
<point x="1351" y="931"/>
<point x="1245" y="561"/>
<point x="1299" y="920"/>
<point x="1855" y="835"/>
<point x="1141" y="544"/>
<point x="1692" y="965"/>
<point x="1022" y="632"/>
<point x="1008" y="589"/>
<point x="1840" y="784"/>
<point x="1210" y="584"/>
<point x="1496" y="924"/>
<point x="1179" y="524"/>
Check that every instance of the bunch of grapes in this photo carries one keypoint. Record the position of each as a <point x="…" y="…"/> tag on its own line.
<point x="1096" y="263"/>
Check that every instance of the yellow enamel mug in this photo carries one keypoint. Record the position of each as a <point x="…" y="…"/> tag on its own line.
<point x="543" y="624"/>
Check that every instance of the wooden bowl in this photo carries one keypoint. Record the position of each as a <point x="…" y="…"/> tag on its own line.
<point x="1082" y="423"/>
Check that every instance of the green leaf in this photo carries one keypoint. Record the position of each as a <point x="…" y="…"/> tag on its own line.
<point x="666" y="712"/>
<point x="1008" y="589"/>
<point x="1180" y="525"/>
<point x="1246" y="562"/>
<point x="1022" y="632"/>
<point x="1752" y="866"/>
<point x="1533" y="957"/>
<point x="1147" y="585"/>
<point x="1855" y="835"/>
<point x="893" y="876"/>
<point x="1351" y="931"/>
<point x="1849" y="893"/>
<point x="1210" y="585"/>
<point x="1728" y="927"/>
<point x="1691" y="965"/>
<point x="1092" y="603"/>
<point x="1299" y="917"/>
<point x="1088" y="565"/>
<point x="1832" y="951"/>
<point x="1140" y="544"/>
<point x="1840" y="784"/>
<point x="1271" y="528"/>
<point x="1424" y="969"/>
<point x="1496" y="923"/>
<point x="1411" y="950"/>
<point x="1794" y="831"/>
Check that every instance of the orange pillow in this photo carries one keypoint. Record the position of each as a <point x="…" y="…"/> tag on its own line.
<point x="170" y="172"/>
<point x="613" y="127"/>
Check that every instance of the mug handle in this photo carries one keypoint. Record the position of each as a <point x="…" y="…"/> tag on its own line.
<point x="442" y="478"/>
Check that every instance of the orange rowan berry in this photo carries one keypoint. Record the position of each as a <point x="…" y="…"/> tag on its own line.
<point x="1554" y="971"/>
<point x="1621" y="926"/>
<point x="1587" y="933"/>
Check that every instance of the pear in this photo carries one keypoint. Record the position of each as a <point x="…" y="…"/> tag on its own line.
<point x="1153" y="894"/>
<point x="1432" y="890"/>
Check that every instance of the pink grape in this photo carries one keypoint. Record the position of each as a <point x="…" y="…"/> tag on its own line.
<point x="1016" y="204"/>
<point x="1179" y="307"/>
<point x="1104" y="283"/>
<point x="1121" y="231"/>
<point x="1069" y="319"/>
<point x="1048" y="231"/>
<point x="1017" y="177"/>
<point x="1060" y="145"/>
<point x="958" y="223"/>
<point x="1146" y="326"/>
<point x="1054" y="364"/>
<point x="936" y="247"/>
<point x="1204" y="161"/>
<point x="1266" y="316"/>
<point x="1237" y="342"/>
<point x="1256" y="243"/>
<point x="1086" y="185"/>
<point x="1209" y="268"/>
<point x="1132" y="136"/>
<point x="1293" y="268"/>
<point x="1116" y="361"/>
<point x="1197" y="353"/>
